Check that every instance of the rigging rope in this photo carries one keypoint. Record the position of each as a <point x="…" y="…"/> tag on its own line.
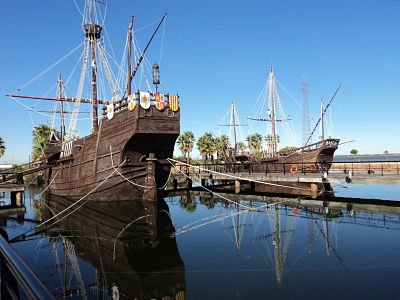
<point x="218" y="195"/>
<point x="235" y="177"/>
<point x="49" y="68"/>
<point x="162" y="38"/>
<point x="30" y="109"/>
<point x="76" y="202"/>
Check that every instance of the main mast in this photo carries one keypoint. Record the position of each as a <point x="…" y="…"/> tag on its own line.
<point x="233" y="118"/>
<point x="322" y="136"/>
<point x="129" y="64"/>
<point x="92" y="32"/>
<point x="271" y="112"/>
<point x="60" y="94"/>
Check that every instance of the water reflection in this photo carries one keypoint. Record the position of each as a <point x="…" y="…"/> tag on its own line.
<point x="231" y="246"/>
<point x="285" y="235"/>
<point x="112" y="250"/>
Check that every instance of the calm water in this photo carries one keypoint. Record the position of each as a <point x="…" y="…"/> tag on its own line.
<point x="216" y="249"/>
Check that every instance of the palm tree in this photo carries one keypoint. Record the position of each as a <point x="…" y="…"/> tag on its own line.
<point x="41" y="136"/>
<point x="222" y="143"/>
<point x="206" y="145"/>
<point x="240" y="147"/>
<point x="2" y="147"/>
<point x="254" y="142"/>
<point x="186" y="142"/>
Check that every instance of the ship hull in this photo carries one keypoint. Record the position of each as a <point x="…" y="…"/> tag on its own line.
<point x="317" y="157"/>
<point x="125" y="158"/>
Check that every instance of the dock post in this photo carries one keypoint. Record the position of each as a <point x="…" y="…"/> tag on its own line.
<point x="150" y="191"/>
<point x="13" y="199"/>
<point x="175" y="184"/>
<point x="189" y="184"/>
<point x="237" y="186"/>
<point x="17" y="197"/>
<point x="252" y="187"/>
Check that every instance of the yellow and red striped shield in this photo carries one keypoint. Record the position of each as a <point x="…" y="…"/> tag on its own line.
<point x="159" y="98"/>
<point x="173" y="102"/>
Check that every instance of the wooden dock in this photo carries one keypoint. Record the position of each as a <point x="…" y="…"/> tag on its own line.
<point x="16" y="201"/>
<point x="11" y="187"/>
<point x="307" y="180"/>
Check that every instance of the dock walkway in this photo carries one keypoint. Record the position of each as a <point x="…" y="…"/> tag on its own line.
<point x="340" y="172"/>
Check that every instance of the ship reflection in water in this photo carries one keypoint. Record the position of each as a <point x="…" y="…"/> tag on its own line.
<point x="200" y="245"/>
<point x="113" y="250"/>
<point x="287" y="247"/>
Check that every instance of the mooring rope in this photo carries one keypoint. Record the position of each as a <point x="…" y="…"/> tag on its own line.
<point x="119" y="173"/>
<point x="169" y="177"/>
<point x="199" y="220"/>
<point x="236" y="177"/>
<point x="47" y="186"/>
<point x="73" y="204"/>
<point x="123" y="229"/>
<point x="76" y="202"/>
<point x="210" y="222"/>
<point x="212" y="192"/>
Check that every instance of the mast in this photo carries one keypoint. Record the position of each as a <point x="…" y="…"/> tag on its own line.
<point x="323" y="112"/>
<point x="271" y="112"/>
<point x="234" y="124"/>
<point x="145" y="49"/>
<point x="129" y="64"/>
<point x="92" y="32"/>
<point x="322" y="137"/>
<point x="60" y="94"/>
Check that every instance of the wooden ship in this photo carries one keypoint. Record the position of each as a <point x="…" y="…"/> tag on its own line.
<point x="315" y="156"/>
<point x="126" y="153"/>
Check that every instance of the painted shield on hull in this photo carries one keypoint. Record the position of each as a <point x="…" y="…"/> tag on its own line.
<point x="110" y="111"/>
<point x="131" y="102"/>
<point x="173" y="102"/>
<point x="160" y="104"/>
<point x="145" y="100"/>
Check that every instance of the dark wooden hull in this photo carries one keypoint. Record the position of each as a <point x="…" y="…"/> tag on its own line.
<point x="117" y="161"/>
<point x="318" y="158"/>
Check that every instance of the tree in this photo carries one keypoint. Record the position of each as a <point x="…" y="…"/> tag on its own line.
<point x="354" y="151"/>
<point x="186" y="142"/>
<point x="207" y="146"/>
<point x="385" y="152"/>
<point x="41" y="135"/>
<point x="254" y="142"/>
<point x="287" y="150"/>
<point x="240" y="147"/>
<point x="2" y="147"/>
<point x="222" y="143"/>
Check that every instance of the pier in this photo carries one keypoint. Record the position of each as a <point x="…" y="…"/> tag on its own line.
<point x="298" y="179"/>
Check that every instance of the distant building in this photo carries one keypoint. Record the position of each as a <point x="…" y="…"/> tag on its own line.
<point x="4" y="167"/>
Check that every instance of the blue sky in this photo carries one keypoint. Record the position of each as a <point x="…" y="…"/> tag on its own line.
<point x="217" y="51"/>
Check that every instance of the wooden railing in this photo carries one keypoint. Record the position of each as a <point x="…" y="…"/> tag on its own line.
<point x="371" y="168"/>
